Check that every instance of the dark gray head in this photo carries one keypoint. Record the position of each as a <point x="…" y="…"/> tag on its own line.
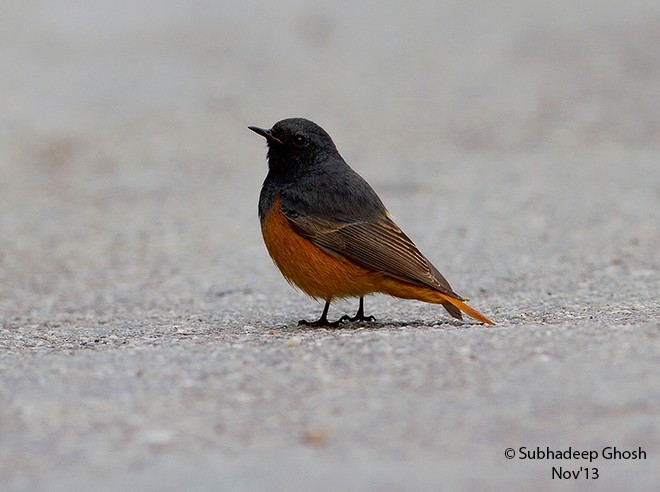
<point x="295" y="144"/>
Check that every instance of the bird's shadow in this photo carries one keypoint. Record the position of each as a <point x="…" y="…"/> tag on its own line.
<point x="379" y="325"/>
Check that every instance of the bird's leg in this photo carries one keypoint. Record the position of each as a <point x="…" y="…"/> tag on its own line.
<point x="322" y="321"/>
<point x="359" y="316"/>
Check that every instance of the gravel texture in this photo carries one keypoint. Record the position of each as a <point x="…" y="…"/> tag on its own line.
<point x="148" y="343"/>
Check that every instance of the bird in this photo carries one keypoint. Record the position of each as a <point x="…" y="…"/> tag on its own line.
<point x="330" y="234"/>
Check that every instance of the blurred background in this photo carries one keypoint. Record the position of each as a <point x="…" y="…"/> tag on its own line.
<point x="517" y="142"/>
<point x="126" y="167"/>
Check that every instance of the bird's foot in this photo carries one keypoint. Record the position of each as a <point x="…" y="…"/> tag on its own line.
<point x="357" y="317"/>
<point x="320" y="323"/>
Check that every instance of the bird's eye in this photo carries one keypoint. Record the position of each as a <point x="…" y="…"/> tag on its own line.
<point x="300" y="140"/>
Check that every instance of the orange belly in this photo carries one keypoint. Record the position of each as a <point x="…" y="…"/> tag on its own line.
<point x="325" y="276"/>
<point x="304" y="265"/>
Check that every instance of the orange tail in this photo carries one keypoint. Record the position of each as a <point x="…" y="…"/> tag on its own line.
<point x="405" y="290"/>
<point x="468" y="310"/>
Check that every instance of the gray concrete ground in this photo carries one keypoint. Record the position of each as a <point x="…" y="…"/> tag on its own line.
<point x="147" y="342"/>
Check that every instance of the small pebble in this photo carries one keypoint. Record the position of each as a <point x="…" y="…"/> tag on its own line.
<point x="293" y="342"/>
<point x="315" y="437"/>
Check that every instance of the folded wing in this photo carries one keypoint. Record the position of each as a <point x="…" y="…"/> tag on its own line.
<point x="378" y="245"/>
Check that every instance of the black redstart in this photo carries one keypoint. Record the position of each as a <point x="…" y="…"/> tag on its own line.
<point x="329" y="233"/>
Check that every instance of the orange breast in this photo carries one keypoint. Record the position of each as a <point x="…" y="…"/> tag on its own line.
<point x="306" y="266"/>
<point x="324" y="276"/>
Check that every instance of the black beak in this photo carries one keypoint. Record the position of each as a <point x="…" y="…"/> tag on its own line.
<point x="265" y="133"/>
<point x="261" y="131"/>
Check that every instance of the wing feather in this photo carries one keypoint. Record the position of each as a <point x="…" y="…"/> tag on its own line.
<point x="379" y="245"/>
